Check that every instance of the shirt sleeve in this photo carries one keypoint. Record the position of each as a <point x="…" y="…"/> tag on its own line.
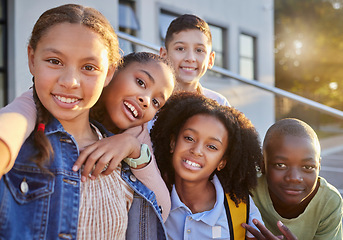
<point x="17" y="121"/>
<point x="150" y="175"/>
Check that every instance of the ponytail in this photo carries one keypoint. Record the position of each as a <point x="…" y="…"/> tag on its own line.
<point x="41" y="142"/>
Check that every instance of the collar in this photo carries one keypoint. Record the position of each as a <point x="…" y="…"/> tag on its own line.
<point x="209" y="217"/>
<point x="55" y="126"/>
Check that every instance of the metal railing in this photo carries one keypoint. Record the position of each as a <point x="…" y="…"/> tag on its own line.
<point x="277" y="91"/>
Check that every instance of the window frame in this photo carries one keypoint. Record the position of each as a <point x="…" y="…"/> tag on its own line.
<point x="254" y="52"/>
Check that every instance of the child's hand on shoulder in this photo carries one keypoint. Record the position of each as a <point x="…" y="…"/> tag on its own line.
<point x="265" y="234"/>
<point x="106" y="154"/>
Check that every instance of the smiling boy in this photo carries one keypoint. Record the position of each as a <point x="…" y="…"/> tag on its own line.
<point x="291" y="189"/>
<point x="188" y="45"/>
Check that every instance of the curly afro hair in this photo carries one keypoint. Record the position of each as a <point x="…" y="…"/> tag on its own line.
<point x="243" y="152"/>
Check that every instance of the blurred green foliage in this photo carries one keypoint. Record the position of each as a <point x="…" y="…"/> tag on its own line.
<point x="309" y="50"/>
<point x="309" y="56"/>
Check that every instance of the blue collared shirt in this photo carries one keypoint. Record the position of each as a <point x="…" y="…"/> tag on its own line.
<point x="212" y="224"/>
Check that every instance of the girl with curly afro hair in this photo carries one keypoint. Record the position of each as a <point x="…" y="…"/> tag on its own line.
<point x="205" y="150"/>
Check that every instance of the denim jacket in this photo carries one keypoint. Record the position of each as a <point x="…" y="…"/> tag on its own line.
<point x="36" y="204"/>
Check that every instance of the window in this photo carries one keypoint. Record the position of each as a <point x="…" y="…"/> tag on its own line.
<point x="128" y="23"/>
<point x="3" y="53"/>
<point x="218" y="45"/>
<point x="247" y="56"/>
<point x="165" y="19"/>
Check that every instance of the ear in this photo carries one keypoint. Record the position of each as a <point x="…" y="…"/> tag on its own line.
<point x="172" y="144"/>
<point x="211" y="60"/>
<point x="221" y="165"/>
<point x="263" y="167"/>
<point x="163" y="52"/>
<point x="31" y="59"/>
<point x="110" y="74"/>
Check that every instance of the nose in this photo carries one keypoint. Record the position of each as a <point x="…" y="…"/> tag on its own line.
<point x="294" y="175"/>
<point x="190" y="57"/>
<point x="196" y="150"/>
<point x="70" y="79"/>
<point x="144" y="101"/>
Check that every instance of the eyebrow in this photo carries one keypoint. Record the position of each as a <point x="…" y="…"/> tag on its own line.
<point x="49" y="49"/>
<point x="181" y="42"/>
<point x="310" y="159"/>
<point x="149" y="75"/>
<point x="153" y="81"/>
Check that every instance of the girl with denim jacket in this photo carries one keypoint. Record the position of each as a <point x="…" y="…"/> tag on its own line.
<point x="71" y="59"/>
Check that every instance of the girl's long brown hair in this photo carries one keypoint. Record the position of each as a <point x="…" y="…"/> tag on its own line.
<point x="75" y="14"/>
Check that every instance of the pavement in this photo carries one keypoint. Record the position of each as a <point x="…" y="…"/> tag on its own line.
<point x="332" y="161"/>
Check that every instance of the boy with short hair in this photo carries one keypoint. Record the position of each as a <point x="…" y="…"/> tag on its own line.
<point x="290" y="188"/>
<point x="188" y="45"/>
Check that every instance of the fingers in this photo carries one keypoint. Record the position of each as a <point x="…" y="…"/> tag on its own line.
<point x="92" y="164"/>
<point x="106" y="164"/>
<point x="285" y="231"/>
<point x="266" y="234"/>
<point x="253" y="231"/>
<point x="83" y="157"/>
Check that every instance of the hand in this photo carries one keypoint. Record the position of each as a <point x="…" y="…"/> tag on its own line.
<point x="265" y="234"/>
<point x="111" y="150"/>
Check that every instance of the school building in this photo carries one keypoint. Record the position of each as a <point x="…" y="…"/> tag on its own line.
<point x="242" y="32"/>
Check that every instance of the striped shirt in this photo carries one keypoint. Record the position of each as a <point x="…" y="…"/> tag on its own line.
<point x="104" y="206"/>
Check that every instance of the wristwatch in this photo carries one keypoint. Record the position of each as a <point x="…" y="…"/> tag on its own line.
<point x="145" y="157"/>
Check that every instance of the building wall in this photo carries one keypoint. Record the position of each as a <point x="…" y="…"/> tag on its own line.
<point x="252" y="16"/>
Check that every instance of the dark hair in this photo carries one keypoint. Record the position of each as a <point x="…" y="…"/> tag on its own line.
<point x="187" y="22"/>
<point x="98" y="111"/>
<point x="291" y="127"/>
<point x="141" y="57"/>
<point x="243" y="152"/>
<point x="76" y="14"/>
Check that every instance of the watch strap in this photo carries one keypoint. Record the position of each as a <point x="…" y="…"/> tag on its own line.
<point x="145" y="157"/>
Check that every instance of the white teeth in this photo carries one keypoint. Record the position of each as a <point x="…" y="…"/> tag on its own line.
<point x="132" y="108"/>
<point x="188" y="68"/>
<point x="66" y="100"/>
<point x="193" y="164"/>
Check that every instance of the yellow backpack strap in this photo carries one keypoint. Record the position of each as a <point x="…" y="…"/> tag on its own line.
<point x="235" y="217"/>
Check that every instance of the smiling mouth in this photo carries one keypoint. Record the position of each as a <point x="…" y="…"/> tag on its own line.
<point x="293" y="191"/>
<point x="188" y="68"/>
<point x="193" y="164"/>
<point x="66" y="100"/>
<point x="132" y="109"/>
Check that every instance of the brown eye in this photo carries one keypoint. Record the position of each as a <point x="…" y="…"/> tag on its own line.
<point x="89" y="68"/>
<point x="213" y="147"/>
<point x="156" y="103"/>
<point x="55" y="61"/>
<point x="140" y="82"/>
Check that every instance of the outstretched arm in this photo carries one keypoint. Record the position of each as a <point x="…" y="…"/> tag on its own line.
<point x="151" y="177"/>
<point x="17" y="121"/>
